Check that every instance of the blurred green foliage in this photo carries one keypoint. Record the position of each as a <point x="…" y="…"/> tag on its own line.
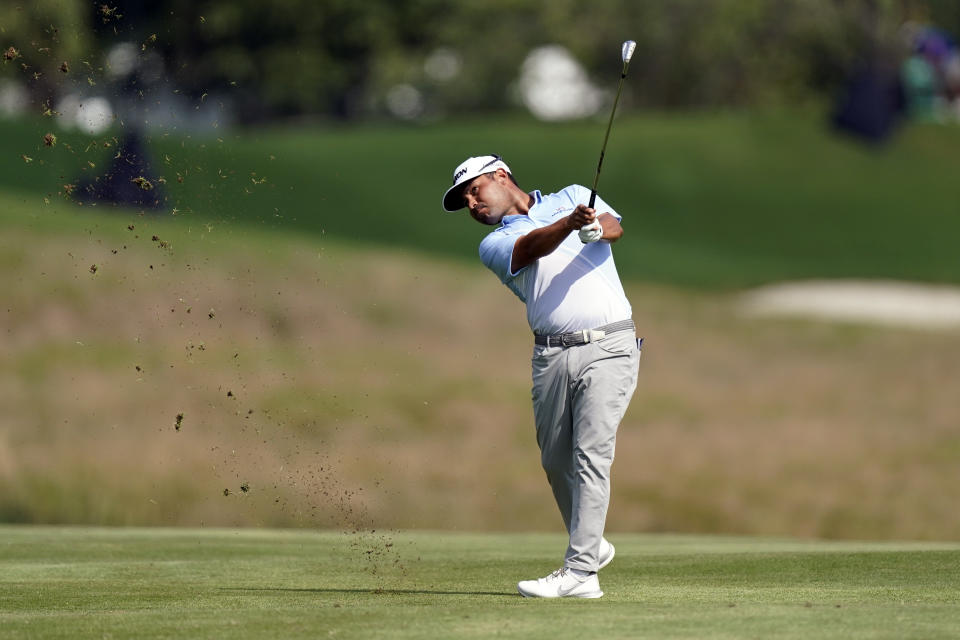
<point x="341" y="58"/>
<point x="38" y="39"/>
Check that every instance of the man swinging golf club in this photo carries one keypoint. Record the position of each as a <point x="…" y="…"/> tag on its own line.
<point x="554" y="252"/>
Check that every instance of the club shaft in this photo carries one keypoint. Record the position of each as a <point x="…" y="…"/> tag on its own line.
<point x="603" y="149"/>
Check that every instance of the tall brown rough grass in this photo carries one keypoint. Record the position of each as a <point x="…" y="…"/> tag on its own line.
<point x="330" y="386"/>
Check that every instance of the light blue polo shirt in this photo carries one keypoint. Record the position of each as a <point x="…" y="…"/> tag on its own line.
<point x="577" y="286"/>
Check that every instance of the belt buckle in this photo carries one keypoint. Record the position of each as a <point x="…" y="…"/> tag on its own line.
<point x="564" y="337"/>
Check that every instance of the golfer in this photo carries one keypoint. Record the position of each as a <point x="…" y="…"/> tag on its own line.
<point x="555" y="254"/>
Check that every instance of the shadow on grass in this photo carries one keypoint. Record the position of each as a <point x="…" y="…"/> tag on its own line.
<point x="377" y="592"/>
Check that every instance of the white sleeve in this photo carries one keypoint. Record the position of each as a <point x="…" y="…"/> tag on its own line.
<point x="496" y="250"/>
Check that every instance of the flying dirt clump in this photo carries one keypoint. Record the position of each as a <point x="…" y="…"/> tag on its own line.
<point x="179" y="421"/>
<point x="108" y="13"/>
<point x="143" y="183"/>
<point x="244" y="488"/>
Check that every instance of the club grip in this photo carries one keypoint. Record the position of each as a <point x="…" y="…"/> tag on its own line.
<point x="593" y="198"/>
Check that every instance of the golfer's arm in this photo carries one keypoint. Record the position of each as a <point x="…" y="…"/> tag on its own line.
<point x="543" y="241"/>
<point x="538" y="243"/>
<point x="612" y="231"/>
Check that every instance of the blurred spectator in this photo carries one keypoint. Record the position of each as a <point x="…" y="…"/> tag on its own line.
<point x="871" y="105"/>
<point x="931" y="74"/>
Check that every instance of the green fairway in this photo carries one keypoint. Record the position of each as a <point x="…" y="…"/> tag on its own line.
<point x="709" y="200"/>
<point x="176" y="583"/>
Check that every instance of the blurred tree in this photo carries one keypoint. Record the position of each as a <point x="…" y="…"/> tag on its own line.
<point x="421" y="58"/>
<point x="690" y="52"/>
<point x="285" y="57"/>
<point x="943" y="13"/>
<point x="44" y="42"/>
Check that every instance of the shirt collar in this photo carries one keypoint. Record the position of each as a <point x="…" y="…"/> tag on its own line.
<point x="537" y="199"/>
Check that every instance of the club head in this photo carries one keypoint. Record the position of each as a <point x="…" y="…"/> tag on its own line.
<point x="627" y="51"/>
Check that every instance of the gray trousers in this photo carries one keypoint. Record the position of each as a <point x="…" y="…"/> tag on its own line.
<point x="580" y="394"/>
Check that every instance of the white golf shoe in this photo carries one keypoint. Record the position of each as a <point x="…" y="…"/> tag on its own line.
<point x="607" y="551"/>
<point x="562" y="583"/>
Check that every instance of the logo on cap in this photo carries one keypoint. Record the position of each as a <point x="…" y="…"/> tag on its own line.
<point x="468" y="170"/>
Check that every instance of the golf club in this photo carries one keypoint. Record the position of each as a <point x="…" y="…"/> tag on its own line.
<point x="626" y="52"/>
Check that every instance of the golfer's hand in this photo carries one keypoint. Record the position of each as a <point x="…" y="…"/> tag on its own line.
<point x="584" y="219"/>
<point x="591" y="233"/>
<point x="581" y="217"/>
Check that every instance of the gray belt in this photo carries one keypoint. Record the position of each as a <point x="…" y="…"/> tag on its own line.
<point x="583" y="337"/>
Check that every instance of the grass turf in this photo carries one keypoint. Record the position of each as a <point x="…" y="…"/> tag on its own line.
<point x="155" y="583"/>
<point x="709" y="200"/>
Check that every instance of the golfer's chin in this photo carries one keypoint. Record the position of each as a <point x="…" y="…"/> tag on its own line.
<point x="485" y="216"/>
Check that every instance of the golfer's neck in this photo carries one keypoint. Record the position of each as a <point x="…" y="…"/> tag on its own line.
<point x="523" y="202"/>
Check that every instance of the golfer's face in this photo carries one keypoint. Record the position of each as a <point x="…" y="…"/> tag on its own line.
<point x="486" y="199"/>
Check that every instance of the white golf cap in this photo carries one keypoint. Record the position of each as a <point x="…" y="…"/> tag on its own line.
<point x="467" y="171"/>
